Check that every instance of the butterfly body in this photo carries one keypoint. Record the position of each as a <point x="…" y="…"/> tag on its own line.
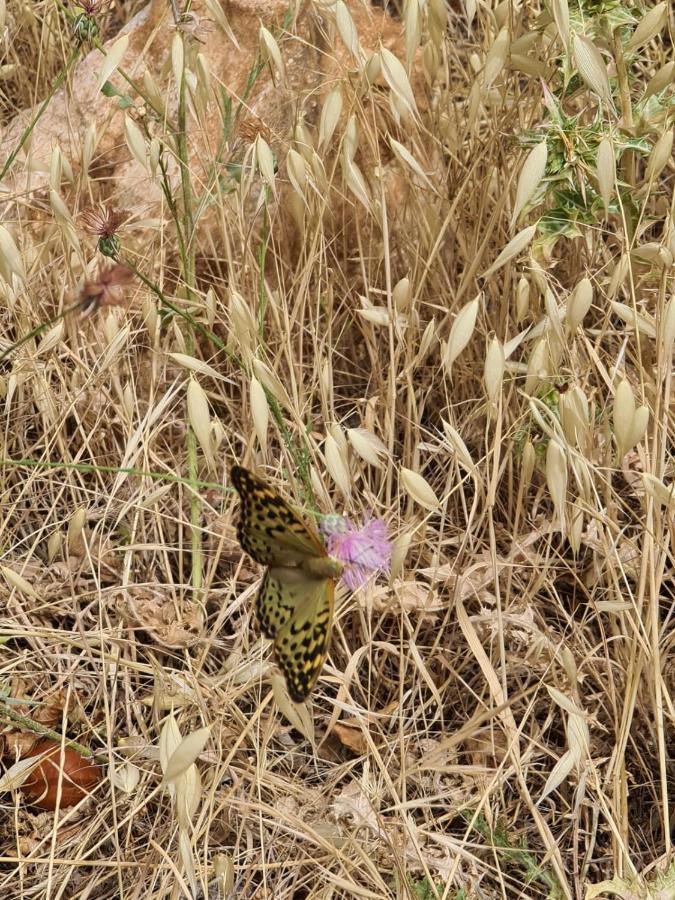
<point x="322" y="567"/>
<point x="296" y="596"/>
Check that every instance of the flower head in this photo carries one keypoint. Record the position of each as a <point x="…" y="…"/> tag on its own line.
<point x="362" y="550"/>
<point x="102" y="221"/>
<point x="195" y="27"/>
<point x="86" y="16"/>
<point x="252" y="127"/>
<point x="91" y="7"/>
<point x="106" y="288"/>
<point x="105" y="223"/>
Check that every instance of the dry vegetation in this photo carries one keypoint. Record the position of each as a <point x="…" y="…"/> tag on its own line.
<point x="497" y="719"/>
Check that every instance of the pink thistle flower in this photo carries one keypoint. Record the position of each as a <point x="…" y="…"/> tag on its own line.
<point x="362" y="550"/>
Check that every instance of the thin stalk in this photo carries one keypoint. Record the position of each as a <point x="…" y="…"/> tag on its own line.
<point x="188" y="267"/>
<point x="627" y="158"/>
<point x="253" y="75"/>
<point x="115" y="470"/>
<point x="34" y="332"/>
<point x="262" y="257"/>
<point x="58" y="81"/>
<point x="165" y="302"/>
<point x="36" y="728"/>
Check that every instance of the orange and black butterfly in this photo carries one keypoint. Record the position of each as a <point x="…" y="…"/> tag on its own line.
<point x="296" y="597"/>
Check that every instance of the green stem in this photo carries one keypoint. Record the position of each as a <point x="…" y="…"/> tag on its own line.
<point x="262" y="257"/>
<point x="30" y="725"/>
<point x="188" y="267"/>
<point x="39" y="329"/>
<point x="115" y="470"/>
<point x="145" y="97"/>
<point x="243" y="106"/>
<point x="628" y="157"/>
<point x="171" y="204"/>
<point x="58" y="81"/>
<point x="192" y="322"/>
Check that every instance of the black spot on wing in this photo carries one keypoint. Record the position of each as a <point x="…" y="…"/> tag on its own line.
<point x="301" y="652"/>
<point x="250" y="489"/>
<point x="266" y="516"/>
<point x="272" y="609"/>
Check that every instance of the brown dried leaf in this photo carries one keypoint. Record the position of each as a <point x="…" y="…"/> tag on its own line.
<point x="160" y="617"/>
<point x="350" y="733"/>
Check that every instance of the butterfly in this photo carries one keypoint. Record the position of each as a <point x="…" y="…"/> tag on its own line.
<point x="296" y="596"/>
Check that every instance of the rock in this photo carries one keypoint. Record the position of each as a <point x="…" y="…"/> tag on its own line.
<point x="315" y="61"/>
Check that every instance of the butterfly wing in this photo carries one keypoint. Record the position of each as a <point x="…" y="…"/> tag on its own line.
<point x="297" y="611"/>
<point x="269" y="529"/>
<point x="273" y="606"/>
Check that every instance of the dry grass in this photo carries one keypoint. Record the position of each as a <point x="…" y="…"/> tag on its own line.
<point x="509" y="643"/>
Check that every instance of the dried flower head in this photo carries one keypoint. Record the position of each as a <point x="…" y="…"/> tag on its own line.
<point x="363" y="550"/>
<point x="251" y="127"/>
<point x="106" y="288"/>
<point x="195" y="27"/>
<point x="104" y="223"/>
<point x="91" y="7"/>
